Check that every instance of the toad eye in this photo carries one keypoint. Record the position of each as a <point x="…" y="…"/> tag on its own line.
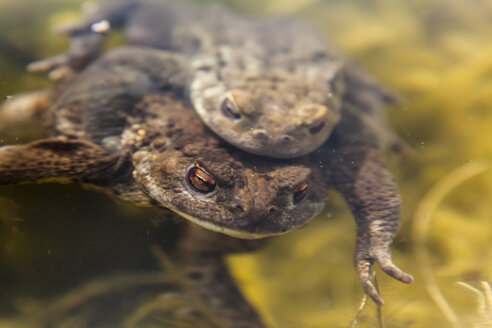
<point x="230" y="109"/>
<point x="201" y="180"/>
<point x="317" y="128"/>
<point x="301" y="192"/>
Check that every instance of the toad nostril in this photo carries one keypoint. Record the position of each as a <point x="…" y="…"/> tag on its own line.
<point x="317" y="128"/>
<point x="259" y="134"/>
<point x="237" y="209"/>
<point x="286" y="139"/>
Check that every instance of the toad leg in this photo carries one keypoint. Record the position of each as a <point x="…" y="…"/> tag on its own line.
<point x="57" y="159"/>
<point x="202" y="254"/>
<point x="371" y="193"/>
<point x="107" y="90"/>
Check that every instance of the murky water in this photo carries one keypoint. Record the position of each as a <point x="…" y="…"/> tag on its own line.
<point x="436" y="53"/>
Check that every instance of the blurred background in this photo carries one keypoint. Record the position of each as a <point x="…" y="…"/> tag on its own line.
<point x="437" y="54"/>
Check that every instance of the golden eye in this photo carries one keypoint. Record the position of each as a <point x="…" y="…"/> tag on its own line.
<point x="200" y="180"/>
<point x="301" y="192"/>
<point x="230" y="109"/>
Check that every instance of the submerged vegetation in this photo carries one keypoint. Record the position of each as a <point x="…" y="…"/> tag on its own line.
<point x="436" y="54"/>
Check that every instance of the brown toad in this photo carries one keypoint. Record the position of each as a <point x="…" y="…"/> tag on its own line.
<point x="158" y="153"/>
<point x="268" y="86"/>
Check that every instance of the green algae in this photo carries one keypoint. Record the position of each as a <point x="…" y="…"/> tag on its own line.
<point x="437" y="55"/>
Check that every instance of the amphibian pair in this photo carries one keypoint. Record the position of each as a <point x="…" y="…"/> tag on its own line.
<point x="270" y="87"/>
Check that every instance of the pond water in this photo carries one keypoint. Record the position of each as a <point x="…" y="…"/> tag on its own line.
<point x="437" y="54"/>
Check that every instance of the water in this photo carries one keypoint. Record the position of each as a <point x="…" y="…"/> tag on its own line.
<point x="436" y="53"/>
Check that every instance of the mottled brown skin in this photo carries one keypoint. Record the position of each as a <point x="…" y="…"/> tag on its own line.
<point x="52" y="158"/>
<point x="283" y="81"/>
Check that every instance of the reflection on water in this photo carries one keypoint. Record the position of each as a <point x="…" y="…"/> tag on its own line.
<point x="436" y="53"/>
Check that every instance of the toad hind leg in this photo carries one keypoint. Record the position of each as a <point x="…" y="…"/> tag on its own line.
<point x="202" y="253"/>
<point x="108" y="89"/>
<point x="57" y="159"/>
<point x="371" y="193"/>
